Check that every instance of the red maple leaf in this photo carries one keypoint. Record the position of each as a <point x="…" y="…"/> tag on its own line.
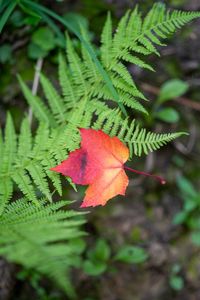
<point x="98" y="163"/>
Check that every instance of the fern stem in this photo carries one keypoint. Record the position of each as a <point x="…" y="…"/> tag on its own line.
<point x="160" y="179"/>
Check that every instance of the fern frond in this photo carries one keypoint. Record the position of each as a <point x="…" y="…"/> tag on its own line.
<point x="106" y="42"/>
<point x="137" y="139"/>
<point x="24" y="183"/>
<point x="85" y="99"/>
<point x="134" y="38"/>
<point x="47" y="161"/>
<point x="141" y="36"/>
<point x="90" y="69"/>
<point x="25" y="140"/>
<point x="6" y="186"/>
<point x="77" y="70"/>
<point x="6" y="191"/>
<point x="42" y="238"/>
<point x="55" y="102"/>
<point x="142" y="141"/>
<point x="38" y="176"/>
<point x="32" y="159"/>
<point x="40" y="110"/>
<point x="68" y="91"/>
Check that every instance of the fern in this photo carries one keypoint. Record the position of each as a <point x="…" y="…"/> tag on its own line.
<point x="28" y="162"/>
<point x="37" y="234"/>
<point x="42" y="238"/>
<point x="139" y="140"/>
<point x="32" y="159"/>
<point x="134" y="39"/>
<point x="9" y="148"/>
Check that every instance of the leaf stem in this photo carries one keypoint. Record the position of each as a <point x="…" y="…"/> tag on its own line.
<point x="160" y="179"/>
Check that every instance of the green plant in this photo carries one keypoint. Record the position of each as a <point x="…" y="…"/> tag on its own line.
<point x="43" y="238"/>
<point x="99" y="258"/>
<point x="189" y="215"/>
<point x="176" y="280"/>
<point x="89" y="80"/>
<point x="131" y="254"/>
<point x="169" y="90"/>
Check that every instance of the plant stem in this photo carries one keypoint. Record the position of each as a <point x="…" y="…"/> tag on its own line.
<point x="160" y="179"/>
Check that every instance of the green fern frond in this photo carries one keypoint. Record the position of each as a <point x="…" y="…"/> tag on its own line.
<point x="134" y="38"/>
<point x="25" y="140"/>
<point x="85" y="100"/>
<point x="68" y="91"/>
<point x="77" y="70"/>
<point x="9" y="149"/>
<point x="9" y="145"/>
<point x="40" y="110"/>
<point x="32" y="159"/>
<point x="24" y="183"/>
<point x="6" y="191"/>
<point x="141" y="36"/>
<point x="55" y="102"/>
<point x="23" y="163"/>
<point x="106" y="42"/>
<point x="90" y="69"/>
<point x="137" y="139"/>
<point x="142" y="141"/>
<point x="42" y="238"/>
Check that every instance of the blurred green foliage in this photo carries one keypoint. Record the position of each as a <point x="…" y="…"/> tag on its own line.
<point x="5" y="53"/>
<point x="190" y="213"/>
<point x="176" y="280"/>
<point x="131" y="254"/>
<point x="97" y="258"/>
<point x="169" y="91"/>
<point x="100" y="258"/>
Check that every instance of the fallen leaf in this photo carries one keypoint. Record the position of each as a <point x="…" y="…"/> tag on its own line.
<point x="98" y="163"/>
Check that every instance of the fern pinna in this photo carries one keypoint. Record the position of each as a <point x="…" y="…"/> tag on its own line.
<point x="43" y="238"/>
<point x="26" y="158"/>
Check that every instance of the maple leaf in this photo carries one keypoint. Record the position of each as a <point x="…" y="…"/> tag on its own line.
<point x="98" y="163"/>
